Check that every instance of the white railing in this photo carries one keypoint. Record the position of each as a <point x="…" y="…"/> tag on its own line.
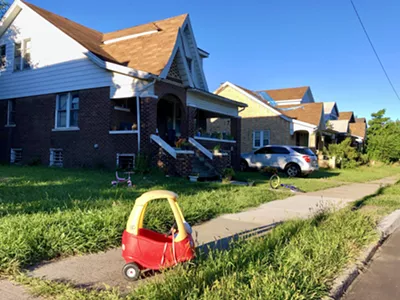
<point x="199" y="146"/>
<point x="214" y="140"/>
<point x="160" y="142"/>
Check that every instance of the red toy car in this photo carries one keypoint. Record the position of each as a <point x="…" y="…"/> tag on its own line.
<point x="145" y="249"/>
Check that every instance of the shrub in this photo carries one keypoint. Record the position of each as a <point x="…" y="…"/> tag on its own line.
<point x="228" y="173"/>
<point x="383" y="143"/>
<point x="142" y="164"/>
<point x="347" y="157"/>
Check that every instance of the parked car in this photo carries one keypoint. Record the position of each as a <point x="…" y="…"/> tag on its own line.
<point x="294" y="160"/>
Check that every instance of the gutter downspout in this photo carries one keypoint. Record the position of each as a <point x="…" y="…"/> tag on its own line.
<point x="138" y="108"/>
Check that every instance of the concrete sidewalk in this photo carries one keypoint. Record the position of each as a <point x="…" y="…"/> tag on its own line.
<point x="11" y="291"/>
<point x="382" y="278"/>
<point x="104" y="269"/>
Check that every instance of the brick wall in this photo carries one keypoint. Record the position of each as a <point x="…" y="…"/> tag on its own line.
<point x="35" y="118"/>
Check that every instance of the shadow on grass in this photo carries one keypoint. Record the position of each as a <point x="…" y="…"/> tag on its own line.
<point x="226" y="242"/>
<point x="364" y="201"/>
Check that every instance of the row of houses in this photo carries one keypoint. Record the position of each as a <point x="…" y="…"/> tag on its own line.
<point x="289" y="116"/>
<point x="76" y="97"/>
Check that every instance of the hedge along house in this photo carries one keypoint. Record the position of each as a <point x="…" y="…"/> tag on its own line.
<point x="285" y="116"/>
<point x="72" y="96"/>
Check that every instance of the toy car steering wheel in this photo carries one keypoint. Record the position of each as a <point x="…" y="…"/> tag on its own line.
<point x="171" y="231"/>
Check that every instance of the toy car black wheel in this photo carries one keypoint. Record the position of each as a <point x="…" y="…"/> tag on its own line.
<point x="131" y="271"/>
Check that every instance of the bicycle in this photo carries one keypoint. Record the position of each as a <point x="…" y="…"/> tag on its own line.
<point x="275" y="182"/>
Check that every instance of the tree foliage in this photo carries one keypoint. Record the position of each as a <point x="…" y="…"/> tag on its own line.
<point x="383" y="143"/>
<point x="346" y="155"/>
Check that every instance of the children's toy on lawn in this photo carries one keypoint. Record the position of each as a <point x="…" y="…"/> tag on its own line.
<point x="120" y="180"/>
<point x="144" y="249"/>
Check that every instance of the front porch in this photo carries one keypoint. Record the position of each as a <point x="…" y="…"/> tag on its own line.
<point x="174" y="131"/>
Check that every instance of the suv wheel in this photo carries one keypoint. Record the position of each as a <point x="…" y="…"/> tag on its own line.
<point x="293" y="170"/>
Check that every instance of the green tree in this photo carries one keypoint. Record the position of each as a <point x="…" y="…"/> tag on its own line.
<point x="383" y="138"/>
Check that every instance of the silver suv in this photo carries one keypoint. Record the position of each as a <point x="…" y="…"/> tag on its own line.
<point x="294" y="160"/>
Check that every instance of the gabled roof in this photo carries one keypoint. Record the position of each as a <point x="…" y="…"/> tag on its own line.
<point x="328" y="107"/>
<point x="288" y="93"/>
<point x="252" y="94"/>
<point x="308" y="112"/>
<point x="346" y="115"/>
<point x="341" y="126"/>
<point x="149" y="53"/>
<point x="361" y="120"/>
<point x="358" y="129"/>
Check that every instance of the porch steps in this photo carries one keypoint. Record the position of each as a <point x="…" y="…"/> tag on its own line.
<point x="205" y="170"/>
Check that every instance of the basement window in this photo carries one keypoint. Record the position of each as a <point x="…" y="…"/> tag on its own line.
<point x="56" y="157"/>
<point x="125" y="161"/>
<point x="15" y="156"/>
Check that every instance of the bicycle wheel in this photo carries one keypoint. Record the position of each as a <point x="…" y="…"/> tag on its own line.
<point x="274" y="181"/>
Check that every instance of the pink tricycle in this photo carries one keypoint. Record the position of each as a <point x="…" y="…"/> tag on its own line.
<point x="120" y="180"/>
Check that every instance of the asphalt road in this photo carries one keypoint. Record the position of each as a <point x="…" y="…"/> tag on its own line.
<point x="381" y="281"/>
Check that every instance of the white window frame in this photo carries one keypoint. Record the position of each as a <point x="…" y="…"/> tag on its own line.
<point x="262" y="134"/>
<point x="68" y="126"/>
<point x="13" y="155"/>
<point x="3" y="63"/>
<point x="52" y="162"/>
<point x="24" y="48"/>
<point x="126" y="155"/>
<point x="9" y="112"/>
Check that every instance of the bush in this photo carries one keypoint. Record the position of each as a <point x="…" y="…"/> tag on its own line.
<point x="228" y="173"/>
<point x="347" y="157"/>
<point x="142" y="164"/>
<point x="383" y="143"/>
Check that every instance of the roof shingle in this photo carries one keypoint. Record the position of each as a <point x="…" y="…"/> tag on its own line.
<point x="149" y="53"/>
<point x="308" y="112"/>
<point x="345" y="115"/>
<point x="288" y="93"/>
<point x="358" y="129"/>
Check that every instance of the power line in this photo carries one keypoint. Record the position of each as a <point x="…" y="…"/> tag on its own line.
<point x="373" y="48"/>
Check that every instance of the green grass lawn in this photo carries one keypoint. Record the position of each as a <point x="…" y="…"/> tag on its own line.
<point x="46" y="213"/>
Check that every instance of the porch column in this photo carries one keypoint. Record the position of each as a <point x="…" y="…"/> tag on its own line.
<point x="236" y="125"/>
<point x="191" y="118"/>
<point x="148" y="122"/>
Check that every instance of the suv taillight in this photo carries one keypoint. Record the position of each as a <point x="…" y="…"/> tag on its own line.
<point x="307" y="158"/>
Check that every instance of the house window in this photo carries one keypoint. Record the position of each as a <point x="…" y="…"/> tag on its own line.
<point x="15" y="156"/>
<point x="17" y="56"/>
<point x="56" y="158"/>
<point x="22" y="55"/>
<point x="10" y="113"/>
<point x="3" y="56"/>
<point x="67" y="110"/>
<point x="189" y="62"/>
<point x="26" y="64"/>
<point x="125" y="161"/>
<point x="261" y="138"/>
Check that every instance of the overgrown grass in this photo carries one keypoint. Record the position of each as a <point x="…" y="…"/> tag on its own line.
<point x="46" y="213"/>
<point x="386" y="200"/>
<point x="298" y="260"/>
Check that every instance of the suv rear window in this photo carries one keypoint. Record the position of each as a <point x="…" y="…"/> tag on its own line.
<point x="304" y="151"/>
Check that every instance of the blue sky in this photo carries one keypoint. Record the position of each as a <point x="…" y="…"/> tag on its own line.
<point x="275" y="44"/>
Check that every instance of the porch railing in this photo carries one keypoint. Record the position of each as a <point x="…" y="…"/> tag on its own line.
<point x="201" y="148"/>
<point x="163" y="144"/>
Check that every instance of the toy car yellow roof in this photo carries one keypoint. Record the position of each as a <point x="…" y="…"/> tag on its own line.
<point x="158" y="194"/>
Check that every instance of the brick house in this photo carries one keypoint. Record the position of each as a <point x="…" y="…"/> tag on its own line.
<point x="72" y="96"/>
<point x="284" y="116"/>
